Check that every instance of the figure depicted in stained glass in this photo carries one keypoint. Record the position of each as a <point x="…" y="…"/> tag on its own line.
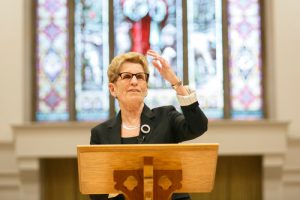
<point x="91" y="60"/>
<point x="156" y="24"/>
<point x="205" y="54"/>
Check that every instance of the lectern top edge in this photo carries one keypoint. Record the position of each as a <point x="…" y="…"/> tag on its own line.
<point x="190" y="146"/>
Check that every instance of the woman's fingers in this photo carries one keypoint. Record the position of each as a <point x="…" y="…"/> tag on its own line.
<point x="163" y="61"/>
<point x="162" y="66"/>
<point x="158" y="61"/>
<point x="152" y="53"/>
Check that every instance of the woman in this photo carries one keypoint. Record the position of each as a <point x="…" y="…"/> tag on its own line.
<point x="135" y="123"/>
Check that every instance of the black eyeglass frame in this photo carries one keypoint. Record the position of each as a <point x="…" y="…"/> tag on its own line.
<point x="146" y="75"/>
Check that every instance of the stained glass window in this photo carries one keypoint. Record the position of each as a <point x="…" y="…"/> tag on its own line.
<point x="91" y="59"/>
<point x="245" y="65"/>
<point x="156" y="24"/>
<point x="52" y="61"/>
<point x="205" y="54"/>
<point x="138" y="25"/>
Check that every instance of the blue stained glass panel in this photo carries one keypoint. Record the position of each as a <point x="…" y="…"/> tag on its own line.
<point x="245" y="62"/>
<point x="91" y="59"/>
<point x="205" y="54"/>
<point x="52" y="68"/>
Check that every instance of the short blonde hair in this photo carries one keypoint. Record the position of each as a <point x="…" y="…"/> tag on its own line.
<point x="115" y="65"/>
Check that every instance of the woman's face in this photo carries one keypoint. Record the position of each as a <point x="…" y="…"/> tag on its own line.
<point x="128" y="88"/>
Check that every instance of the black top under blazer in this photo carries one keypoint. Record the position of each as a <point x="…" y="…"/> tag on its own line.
<point x="167" y="125"/>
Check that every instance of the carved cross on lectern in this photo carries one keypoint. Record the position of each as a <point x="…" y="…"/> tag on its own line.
<point x="147" y="183"/>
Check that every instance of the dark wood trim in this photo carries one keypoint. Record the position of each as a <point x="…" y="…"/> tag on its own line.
<point x="28" y="49"/>
<point x="226" y="72"/>
<point x="263" y="59"/>
<point x="111" y="44"/>
<point x="71" y="60"/>
<point x="185" y="43"/>
<point x="33" y="34"/>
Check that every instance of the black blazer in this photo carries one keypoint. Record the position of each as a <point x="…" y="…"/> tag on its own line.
<point x="167" y="125"/>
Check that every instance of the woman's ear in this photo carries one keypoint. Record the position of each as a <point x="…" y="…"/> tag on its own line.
<point x="112" y="89"/>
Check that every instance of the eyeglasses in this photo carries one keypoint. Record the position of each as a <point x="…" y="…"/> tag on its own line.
<point x="139" y="76"/>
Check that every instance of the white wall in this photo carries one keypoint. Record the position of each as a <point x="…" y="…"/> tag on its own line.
<point x="283" y="55"/>
<point x="11" y="96"/>
<point x="287" y="62"/>
<point x="11" y="65"/>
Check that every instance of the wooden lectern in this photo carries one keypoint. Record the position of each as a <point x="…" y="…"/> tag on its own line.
<point x="147" y="171"/>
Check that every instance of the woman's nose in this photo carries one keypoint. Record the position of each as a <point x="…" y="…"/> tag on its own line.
<point x="133" y="80"/>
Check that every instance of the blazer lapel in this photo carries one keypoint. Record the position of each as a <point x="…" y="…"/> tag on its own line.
<point x="147" y="120"/>
<point x="114" y="135"/>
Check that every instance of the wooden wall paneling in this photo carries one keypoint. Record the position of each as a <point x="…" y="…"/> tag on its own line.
<point x="237" y="178"/>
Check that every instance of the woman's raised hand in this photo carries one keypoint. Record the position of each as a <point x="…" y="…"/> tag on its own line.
<point x="163" y="67"/>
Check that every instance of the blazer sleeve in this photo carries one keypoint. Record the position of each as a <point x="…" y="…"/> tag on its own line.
<point x="189" y="125"/>
<point x="94" y="139"/>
